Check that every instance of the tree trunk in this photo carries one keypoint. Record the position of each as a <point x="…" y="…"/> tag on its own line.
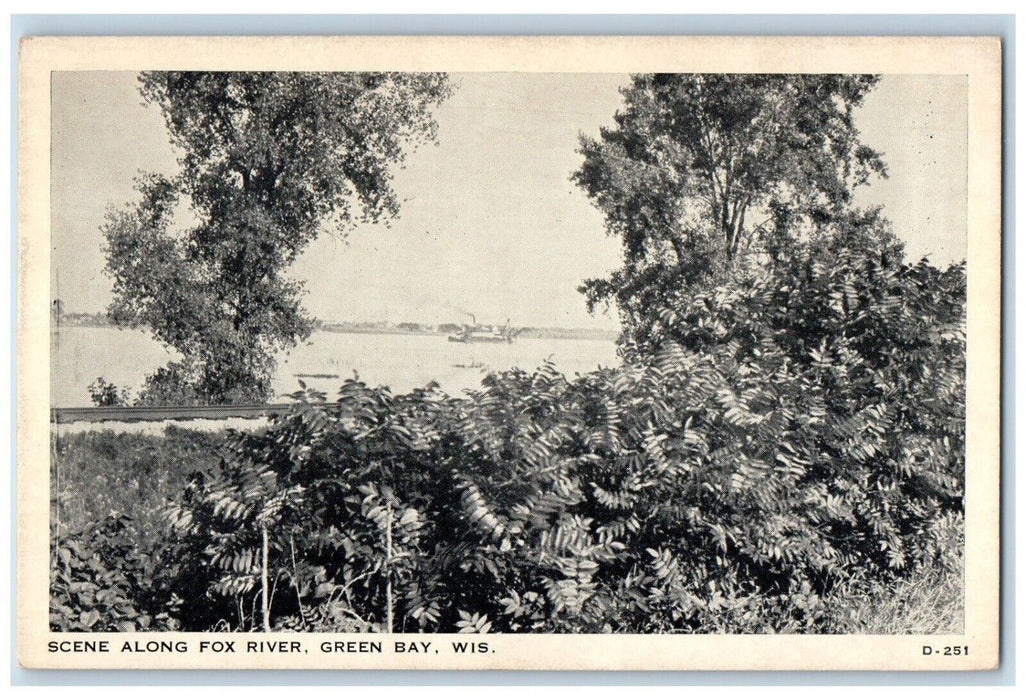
<point x="295" y="579"/>
<point x="263" y="581"/>
<point x="388" y="570"/>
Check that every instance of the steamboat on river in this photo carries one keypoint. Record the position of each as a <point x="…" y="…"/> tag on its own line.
<point x="473" y="333"/>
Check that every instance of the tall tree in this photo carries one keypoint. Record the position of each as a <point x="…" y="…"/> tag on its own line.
<point x="699" y="170"/>
<point x="268" y="161"/>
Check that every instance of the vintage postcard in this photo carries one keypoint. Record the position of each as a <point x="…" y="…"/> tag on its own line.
<point x="509" y="353"/>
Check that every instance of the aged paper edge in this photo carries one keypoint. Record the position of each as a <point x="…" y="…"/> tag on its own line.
<point x="977" y="57"/>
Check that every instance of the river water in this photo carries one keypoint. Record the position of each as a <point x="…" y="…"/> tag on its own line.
<point x="401" y="362"/>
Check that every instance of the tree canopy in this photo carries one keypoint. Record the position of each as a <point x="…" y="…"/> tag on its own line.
<point x="700" y="170"/>
<point x="268" y="161"/>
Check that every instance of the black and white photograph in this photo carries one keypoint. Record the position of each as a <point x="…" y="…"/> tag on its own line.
<point x="339" y="358"/>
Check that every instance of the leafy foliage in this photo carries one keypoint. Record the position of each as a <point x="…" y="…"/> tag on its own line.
<point x="108" y="537"/>
<point x="795" y="440"/>
<point x="104" y="393"/>
<point x="798" y="432"/>
<point x="268" y="160"/>
<point x="100" y="582"/>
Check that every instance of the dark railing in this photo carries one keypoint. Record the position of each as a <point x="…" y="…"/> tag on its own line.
<point x="160" y="413"/>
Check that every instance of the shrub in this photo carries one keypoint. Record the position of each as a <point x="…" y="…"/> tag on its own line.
<point x="786" y="440"/>
<point x="101" y="582"/>
<point x="104" y="393"/>
<point x="108" y="537"/>
<point x="797" y="432"/>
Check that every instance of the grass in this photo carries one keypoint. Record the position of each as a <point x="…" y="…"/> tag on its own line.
<point x="93" y="474"/>
<point x="931" y="601"/>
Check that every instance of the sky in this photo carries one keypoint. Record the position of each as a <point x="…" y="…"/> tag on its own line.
<point x="490" y="222"/>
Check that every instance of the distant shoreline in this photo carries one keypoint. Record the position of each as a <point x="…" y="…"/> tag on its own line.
<point x="93" y="321"/>
<point x="534" y="333"/>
